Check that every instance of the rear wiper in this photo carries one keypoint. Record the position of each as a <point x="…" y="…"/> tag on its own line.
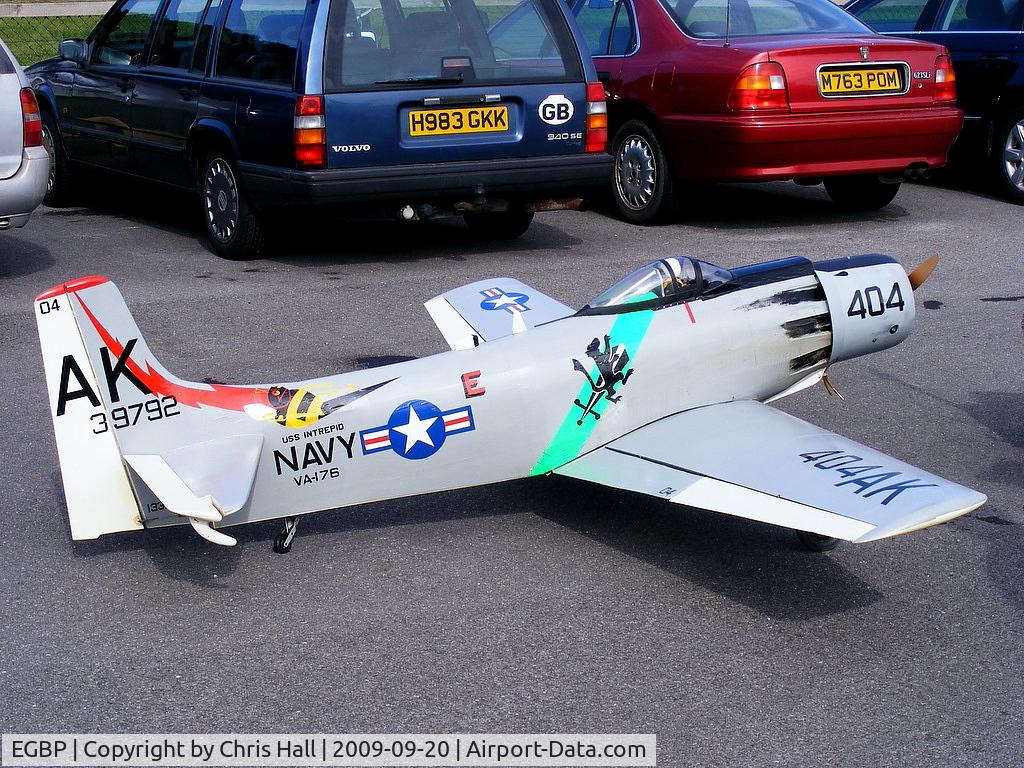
<point x="414" y="80"/>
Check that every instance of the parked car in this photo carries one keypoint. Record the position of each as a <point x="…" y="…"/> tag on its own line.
<point x="413" y="107"/>
<point x="764" y="90"/>
<point x="986" y="41"/>
<point x="24" y="161"/>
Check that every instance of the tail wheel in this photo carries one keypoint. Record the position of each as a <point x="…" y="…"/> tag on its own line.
<point x="58" y="184"/>
<point x="642" y="183"/>
<point x="860" y="193"/>
<point x="1008" y="157"/>
<point x="233" y="227"/>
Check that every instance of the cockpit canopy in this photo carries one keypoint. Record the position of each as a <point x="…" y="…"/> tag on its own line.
<point x="660" y="283"/>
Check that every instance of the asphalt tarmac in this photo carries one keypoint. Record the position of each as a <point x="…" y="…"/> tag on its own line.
<point x="543" y="605"/>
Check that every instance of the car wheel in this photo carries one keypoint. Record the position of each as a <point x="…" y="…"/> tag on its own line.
<point x="58" y="184"/>
<point x="642" y="184"/>
<point x="233" y="227"/>
<point x="860" y="193"/>
<point x="1008" y="157"/>
<point x="500" y="225"/>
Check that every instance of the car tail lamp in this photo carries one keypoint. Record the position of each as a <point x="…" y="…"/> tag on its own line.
<point x="310" y="133"/>
<point x="596" y="137"/>
<point x="760" y="86"/>
<point x="945" y="79"/>
<point x="32" y="121"/>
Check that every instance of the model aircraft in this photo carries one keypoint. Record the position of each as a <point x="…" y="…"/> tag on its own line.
<point x="659" y="386"/>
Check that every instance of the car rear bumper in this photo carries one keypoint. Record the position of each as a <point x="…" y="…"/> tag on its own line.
<point x="525" y="179"/>
<point x="22" y="193"/>
<point x="766" y="148"/>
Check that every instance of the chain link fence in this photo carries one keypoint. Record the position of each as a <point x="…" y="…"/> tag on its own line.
<point x="32" y="30"/>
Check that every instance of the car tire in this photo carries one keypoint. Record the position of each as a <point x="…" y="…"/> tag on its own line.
<point x="860" y="193"/>
<point x="231" y="224"/>
<point x="499" y="225"/>
<point x="1008" y="157"/>
<point x="642" y="185"/>
<point x="59" y="185"/>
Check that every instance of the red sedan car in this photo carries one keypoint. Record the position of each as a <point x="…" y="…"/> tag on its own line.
<point x="764" y="90"/>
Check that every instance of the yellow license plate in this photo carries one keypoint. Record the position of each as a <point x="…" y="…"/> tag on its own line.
<point x="438" y="122"/>
<point x="844" y="82"/>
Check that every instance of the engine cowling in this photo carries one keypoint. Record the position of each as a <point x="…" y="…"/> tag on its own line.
<point x="870" y="301"/>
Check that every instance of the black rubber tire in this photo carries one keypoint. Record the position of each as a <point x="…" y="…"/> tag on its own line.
<point x="279" y="546"/>
<point x="634" y="145"/>
<point x="60" y="186"/>
<point x="860" y="193"/>
<point x="499" y="225"/>
<point x="815" y="542"/>
<point x="233" y="227"/>
<point x="1000" y="155"/>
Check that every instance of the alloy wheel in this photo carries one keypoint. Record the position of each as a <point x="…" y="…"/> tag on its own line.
<point x="51" y="179"/>
<point x="1013" y="155"/>
<point x="635" y="173"/>
<point x="220" y="199"/>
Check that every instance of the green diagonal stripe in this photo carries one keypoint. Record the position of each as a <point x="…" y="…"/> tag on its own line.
<point x="628" y="329"/>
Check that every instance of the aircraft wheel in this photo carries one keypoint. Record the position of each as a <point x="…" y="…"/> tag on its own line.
<point x="282" y="544"/>
<point x="860" y="193"/>
<point x="815" y="542"/>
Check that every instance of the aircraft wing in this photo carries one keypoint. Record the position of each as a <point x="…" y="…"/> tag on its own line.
<point x="750" y="460"/>
<point x="489" y="309"/>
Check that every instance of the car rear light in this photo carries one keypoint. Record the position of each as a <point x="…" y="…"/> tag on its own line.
<point x="945" y="79"/>
<point x="32" y="121"/>
<point x="760" y="86"/>
<point x="596" y="137"/>
<point x="310" y="133"/>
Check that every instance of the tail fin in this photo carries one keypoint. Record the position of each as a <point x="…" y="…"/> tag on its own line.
<point x="97" y="490"/>
<point x="114" y="407"/>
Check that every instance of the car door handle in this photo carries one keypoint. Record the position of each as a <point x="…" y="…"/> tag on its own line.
<point x="127" y="86"/>
<point x="188" y="94"/>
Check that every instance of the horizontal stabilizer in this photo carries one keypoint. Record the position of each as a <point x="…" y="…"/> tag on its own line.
<point x="490" y="309"/>
<point x="750" y="460"/>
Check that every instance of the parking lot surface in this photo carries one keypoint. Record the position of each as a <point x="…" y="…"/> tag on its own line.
<point x="543" y="605"/>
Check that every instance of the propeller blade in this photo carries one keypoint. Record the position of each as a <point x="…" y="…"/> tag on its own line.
<point x="921" y="272"/>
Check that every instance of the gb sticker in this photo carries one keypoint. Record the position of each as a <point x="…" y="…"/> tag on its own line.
<point x="555" y="110"/>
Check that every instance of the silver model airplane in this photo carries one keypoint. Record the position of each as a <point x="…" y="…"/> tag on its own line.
<point x="659" y="386"/>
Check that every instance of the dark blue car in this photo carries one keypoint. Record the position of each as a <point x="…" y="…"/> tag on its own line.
<point x="413" y="108"/>
<point x="986" y="41"/>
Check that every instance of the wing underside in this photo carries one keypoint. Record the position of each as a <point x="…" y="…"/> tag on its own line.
<point x="751" y="460"/>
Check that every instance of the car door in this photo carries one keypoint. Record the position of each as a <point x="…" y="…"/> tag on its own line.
<point x="984" y="39"/>
<point x="609" y="28"/>
<point x="166" y="96"/>
<point x="103" y="86"/>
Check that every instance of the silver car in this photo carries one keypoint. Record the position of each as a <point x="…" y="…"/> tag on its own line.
<point x="24" y="161"/>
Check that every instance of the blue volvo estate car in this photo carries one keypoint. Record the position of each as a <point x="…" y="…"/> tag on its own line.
<point x="410" y="108"/>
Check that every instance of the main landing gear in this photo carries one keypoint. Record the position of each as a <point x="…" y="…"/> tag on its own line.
<point x="283" y="541"/>
<point x="815" y="542"/>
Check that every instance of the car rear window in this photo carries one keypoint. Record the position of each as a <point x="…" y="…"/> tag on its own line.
<point x="6" y="65"/>
<point x="380" y="44"/>
<point x="745" y="18"/>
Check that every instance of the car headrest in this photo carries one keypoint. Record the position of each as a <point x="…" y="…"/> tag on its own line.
<point x="431" y="30"/>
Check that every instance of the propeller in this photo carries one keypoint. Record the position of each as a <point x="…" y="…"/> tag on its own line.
<point x="921" y="272"/>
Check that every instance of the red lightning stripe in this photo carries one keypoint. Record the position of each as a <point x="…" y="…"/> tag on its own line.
<point x="217" y="396"/>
